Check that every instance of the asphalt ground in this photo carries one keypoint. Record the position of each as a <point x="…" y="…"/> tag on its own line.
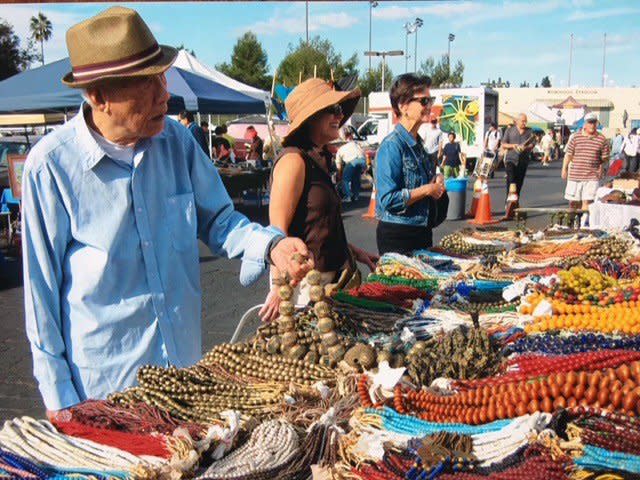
<point x="224" y="300"/>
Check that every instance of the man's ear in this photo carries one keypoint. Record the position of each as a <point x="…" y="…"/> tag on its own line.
<point x="98" y="99"/>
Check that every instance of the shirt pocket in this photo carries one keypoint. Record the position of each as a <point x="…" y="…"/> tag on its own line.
<point x="182" y="221"/>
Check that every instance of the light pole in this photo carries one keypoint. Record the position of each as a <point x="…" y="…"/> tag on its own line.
<point x="417" y="24"/>
<point x="372" y="4"/>
<point x="604" y="59"/>
<point x="307" y="19"/>
<point x="409" y="28"/>
<point x="384" y="55"/>
<point x="452" y="37"/>
<point x="570" y="60"/>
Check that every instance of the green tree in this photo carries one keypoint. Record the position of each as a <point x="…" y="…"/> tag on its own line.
<point x="440" y="72"/>
<point x="249" y="63"/>
<point x="41" y="31"/>
<point x="13" y="59"/>
<point x="372" y="80"/>
<point x="525" y="84"/>
<point x="499" y="83"/>
<point x="301" y="59"/>
<point x="546" y="82"/>
<point x="188" y="50"/>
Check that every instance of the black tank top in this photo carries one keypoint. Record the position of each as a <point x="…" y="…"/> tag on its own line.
<point x="318" y="215"/>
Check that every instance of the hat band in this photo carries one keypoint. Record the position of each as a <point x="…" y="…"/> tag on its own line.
<point x="125" y="65"/>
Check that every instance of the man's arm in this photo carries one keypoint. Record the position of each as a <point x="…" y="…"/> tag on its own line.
<point x="45" y="236"/>
<point x="230" y="233"/>
<point x="568" y="158"/>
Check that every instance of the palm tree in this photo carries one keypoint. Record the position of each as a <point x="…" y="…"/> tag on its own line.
<point x="41" y="31"/>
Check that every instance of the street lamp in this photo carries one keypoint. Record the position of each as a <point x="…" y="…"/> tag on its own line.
<point x="409" y="28"/>
<point x="384" y="55"/>
<point x="372" y="4"/>
<point x="417" y="24"/>
<point x="452" y="37"/>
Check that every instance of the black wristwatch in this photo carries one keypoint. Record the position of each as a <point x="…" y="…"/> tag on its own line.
<point x="272" y="244"/>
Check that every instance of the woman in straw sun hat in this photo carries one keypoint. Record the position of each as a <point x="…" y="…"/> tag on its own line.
<point x="303" y="201"/>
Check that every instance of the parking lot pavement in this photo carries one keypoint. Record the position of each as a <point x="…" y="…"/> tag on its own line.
<point x="223" y="299"/>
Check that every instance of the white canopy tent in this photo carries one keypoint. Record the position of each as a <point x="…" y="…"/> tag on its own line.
<point x="188" y="62"/>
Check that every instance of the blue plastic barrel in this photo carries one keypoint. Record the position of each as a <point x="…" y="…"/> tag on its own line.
<point x="457" y="190"/>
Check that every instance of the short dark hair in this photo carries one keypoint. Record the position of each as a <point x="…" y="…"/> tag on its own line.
<point x="204" y="124"/>
<point x="251" y="128"/>
<point x="186" y="114"/>
<point x="223" y="127"/>
<point x="404" y="88"/>
<point x="493" y="124"/>
<point x="452" y="133"/>
<point x="219" y="131"/>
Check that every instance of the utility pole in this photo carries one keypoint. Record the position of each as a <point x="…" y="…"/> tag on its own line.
<point x="604" y="59"/>
<point x="452" y="37"/>
<point x="372" y="4"/>
<point x="384" y="55"/>
<point x="307" y="19"/>
<point x="570" y="60"/>
<point x="409" y="29"/>
<point x="417" y="24"/>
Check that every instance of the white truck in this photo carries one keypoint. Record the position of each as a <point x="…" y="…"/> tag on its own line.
<point x="466" y="111"/>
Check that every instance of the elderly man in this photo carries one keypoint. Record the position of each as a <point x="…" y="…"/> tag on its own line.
<point x="518" y="141"/>
<point x="114" y="202"/>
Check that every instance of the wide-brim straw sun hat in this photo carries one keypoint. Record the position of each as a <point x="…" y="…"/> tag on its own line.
<point x="116" y="43"/>
<point x="314" y="95"/>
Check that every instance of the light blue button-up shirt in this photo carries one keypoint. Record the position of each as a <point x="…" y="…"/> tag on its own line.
<point x="111" y="270"/>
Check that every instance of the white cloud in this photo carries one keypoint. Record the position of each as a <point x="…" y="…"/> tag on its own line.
<point x="19" y="16"/>
<point x="446" y="10"/>
<point x="295" y="24"/>
<point x="581" y="15"/>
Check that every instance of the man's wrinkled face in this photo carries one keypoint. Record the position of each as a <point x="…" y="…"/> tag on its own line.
<point x="521" y="121"/>
<point x="138" y="106"/>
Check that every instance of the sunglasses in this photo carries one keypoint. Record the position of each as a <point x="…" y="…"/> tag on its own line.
<point x="335" y="110"/>
<point x="424" y="101"/>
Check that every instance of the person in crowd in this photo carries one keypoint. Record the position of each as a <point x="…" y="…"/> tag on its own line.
<point x="630" y="148"/>
<point x="492" y="141"/>
<point x="220" y="146"/>
<point x="518" y="142"/>
<point x="585" y="159"/>
<point x="230" y="139"/>
<point x="432" y="138"/>
<point x="616" y="144"/>
<point x="548" y="145"/>
<point x="408" y="191"/>
<point x="113" y="204"/>
<point x="452" y="157"/>
<point x="350" y="162"/>
<point x="304" y="202"/>
<point x="204" y="125"/>
<point x="256" y="147"/>
<point x="186" y="119"/>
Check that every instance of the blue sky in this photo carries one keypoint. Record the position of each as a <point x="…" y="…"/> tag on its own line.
<point x="517" y="40"/>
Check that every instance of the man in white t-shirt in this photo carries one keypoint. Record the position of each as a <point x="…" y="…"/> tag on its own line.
<point x="433" y="138"/>
<point x="631" y="147"/>
<point x="492" y="140"/>
<point x="350" y="162"/>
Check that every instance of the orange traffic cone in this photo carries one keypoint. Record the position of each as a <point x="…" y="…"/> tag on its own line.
<point x="371" y="211"/>
<point x="483" y="211"/>
<point x="477" y="192"/>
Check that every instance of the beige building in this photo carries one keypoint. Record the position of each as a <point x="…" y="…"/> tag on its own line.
<point x="616" y="107"/>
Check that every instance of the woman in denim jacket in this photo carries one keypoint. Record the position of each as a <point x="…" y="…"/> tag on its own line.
<point x="405" y="178"/>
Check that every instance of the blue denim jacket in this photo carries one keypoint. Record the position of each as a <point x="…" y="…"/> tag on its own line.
<point x="402" y="164"/>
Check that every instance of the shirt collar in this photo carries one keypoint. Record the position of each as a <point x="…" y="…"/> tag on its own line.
<point x="406" y="136"/>
<point x="94" y="151"/>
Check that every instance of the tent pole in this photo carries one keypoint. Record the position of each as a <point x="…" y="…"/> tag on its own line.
<point x="270" y="118"/>
<point x="210" y="134"/>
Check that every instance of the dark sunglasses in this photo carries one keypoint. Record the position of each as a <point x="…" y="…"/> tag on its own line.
<point x="424" y="101"/>
<point x="335" y="110"/>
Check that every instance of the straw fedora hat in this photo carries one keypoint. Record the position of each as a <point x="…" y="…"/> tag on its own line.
<point x="115" y="43"/>
<point x="314" y="95"/>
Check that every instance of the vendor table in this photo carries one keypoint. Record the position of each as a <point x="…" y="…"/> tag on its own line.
<point x="611" y="215"/>
<point x="237" y="181"/>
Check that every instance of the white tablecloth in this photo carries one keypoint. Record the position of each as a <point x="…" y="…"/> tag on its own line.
<point x="611" y="215"/>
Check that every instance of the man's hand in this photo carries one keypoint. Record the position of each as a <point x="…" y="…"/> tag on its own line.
<point x="435" y="189"/>
<point x="564" y="173"/>
<point x="440" y="178"/>
<point x="292" y="256"/>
